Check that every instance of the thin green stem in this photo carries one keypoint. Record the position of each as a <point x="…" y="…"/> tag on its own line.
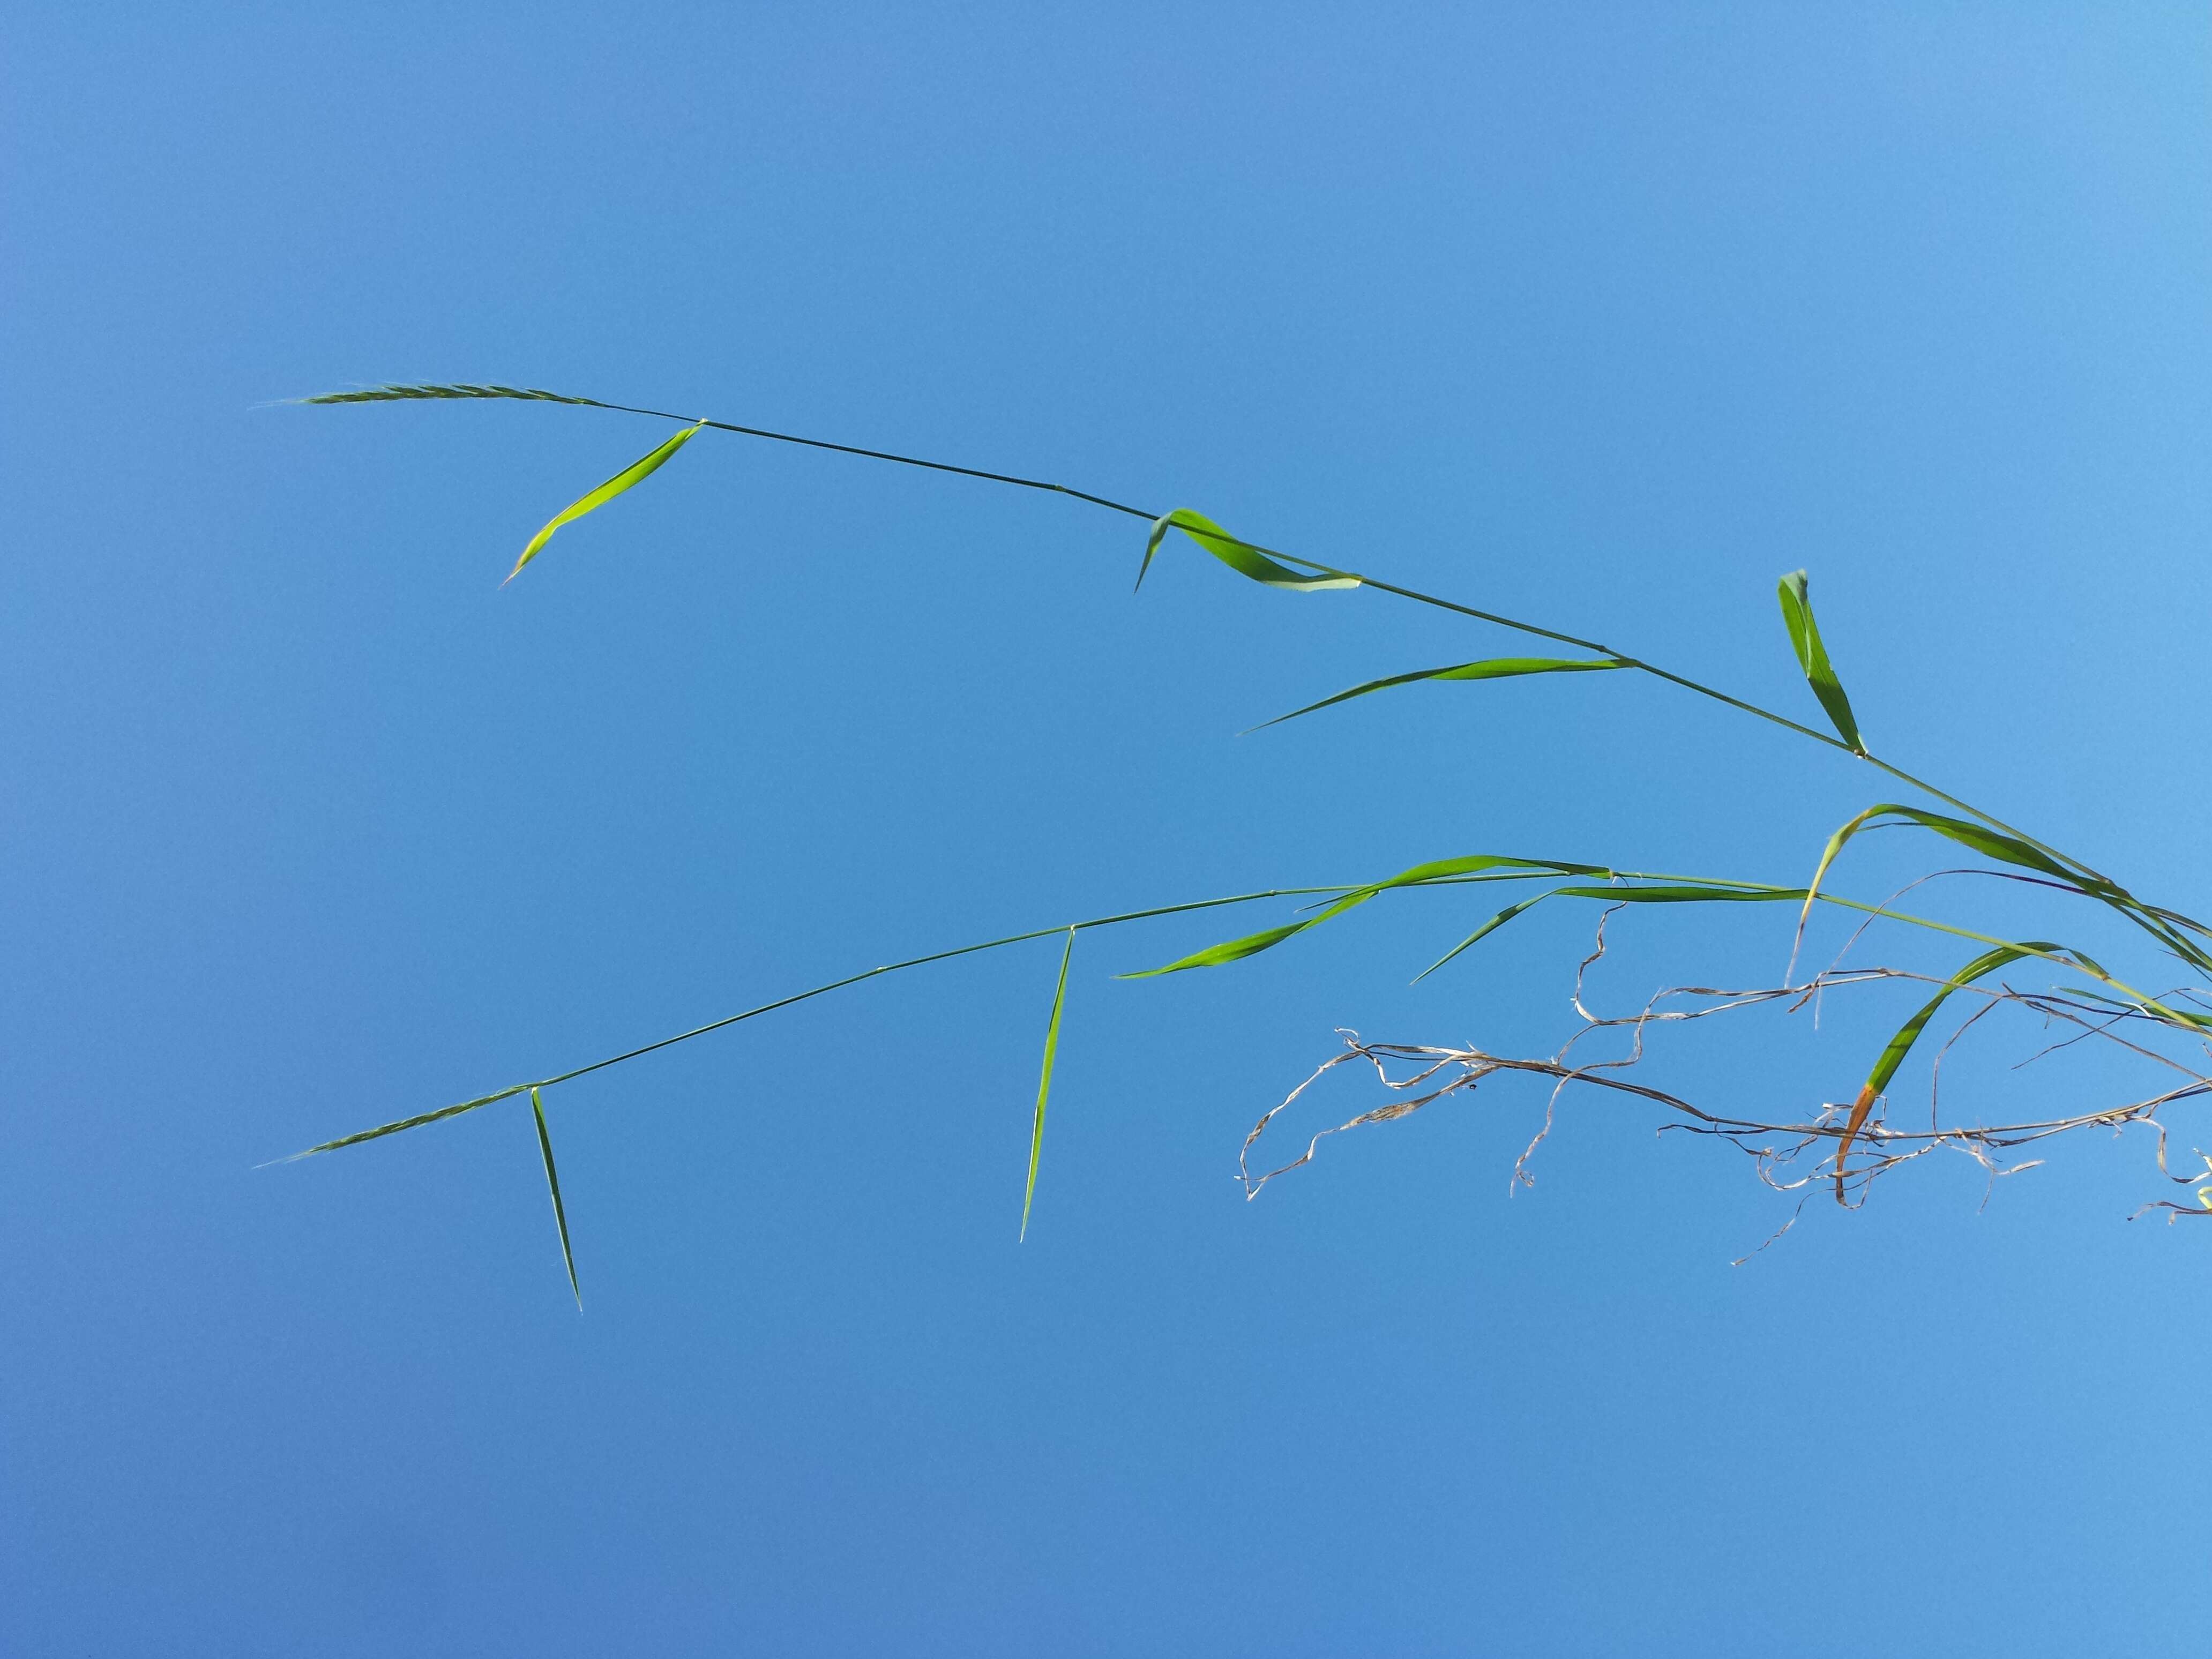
<point x="934" y="956"/>
<point x="880" y="455"/>
<point x="1687" y="684"/>
<point x="1682" y="680"/>
<point x="508" y="1093"/>
<point x="1627" y="660"/>
<point x="2071" y="960"/>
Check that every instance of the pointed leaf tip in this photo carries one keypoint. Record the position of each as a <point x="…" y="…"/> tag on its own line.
<point x="1160" y="525"/>
<point x="636" y="473"/>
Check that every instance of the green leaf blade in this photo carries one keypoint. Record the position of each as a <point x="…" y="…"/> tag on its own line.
<point x="1243" y="556"/>
<point x="1419" y="875"/>
<point x="1044" y="1080"/>
<point x="1492" y="668"/>
<point x="1441" y="869"/>
<point x="553" y="1186"/>
<point x="2022" y="854"/>
<point x="1236" y="949"/>
<point x="1900" y="1045"/>
<point x="1682" y="893"/>
<point x="629" y="478"/>
<point x="1793" y="592"/>
<point x="1894" y="1054"/>
<point x="1484" y="931"/>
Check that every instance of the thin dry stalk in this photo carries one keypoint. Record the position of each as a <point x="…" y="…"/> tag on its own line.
<point x="1792" y="1148"/>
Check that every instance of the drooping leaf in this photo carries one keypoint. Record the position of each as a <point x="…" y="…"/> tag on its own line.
<point x="2022" y="854"/>
<point x="1241" y="557"/>
<point x="1044" y="1080"/>
<point x="1812" y="657"/>
<point x="1484" y="931"/>
<point x="636" y="472"/>
<point x="1251" y="944"/>
<point x="1820" y="871"/>
<point x="1420" y="875"/>
<point x="1900" y="1045"/>
<point x="2177" y="918"/>
<point x="1649" y="893"/>
<point x="1493" y="668"/>
<point x="553" y="1186"/>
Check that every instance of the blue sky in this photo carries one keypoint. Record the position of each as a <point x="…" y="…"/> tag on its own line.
<point x="1605" y="316"/>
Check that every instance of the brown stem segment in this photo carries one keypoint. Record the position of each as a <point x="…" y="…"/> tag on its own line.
<point x="1860" y="1108"/>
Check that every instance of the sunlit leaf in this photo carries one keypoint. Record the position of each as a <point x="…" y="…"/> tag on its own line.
<point x="1241" y="557"/>
<point x="2162" y="924"/>
<point x="1420" y="875"/>
<point x="1484" y="931"/>
<point x="553" y="1186"/>
<point x="1812" y="657"/>
<point x="1251" y="944"/>
<point x="636" y="473"/>
<point x="1900" y="1045"/>
<point x="1044" y="1079"/>
<point x="1447" y="869"/>
<point x="1659" y="893"/>
<point x="1493" y="668"/>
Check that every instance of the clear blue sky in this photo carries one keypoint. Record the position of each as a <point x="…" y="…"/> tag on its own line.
<point x="1604" y="316"/>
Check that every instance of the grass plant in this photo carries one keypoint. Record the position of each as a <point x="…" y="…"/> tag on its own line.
<point x="1839" y="1146"/>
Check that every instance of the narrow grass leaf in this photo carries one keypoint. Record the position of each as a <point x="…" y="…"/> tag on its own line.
<point x="1445" y="870"/>
<point x="1664" y="893"/>
<point x="1420" y="875"/>
<point x="1900" y="1045"/>
<point x="2177" y="919"/>
<point x="1681" y="893"/>
<point x="636" y="473"/>
<point x="1484" y="931"/>
<point x="1241" y="557"/>
<point x="1044" y="1080"/>
<point x="1493" y="668"/>
<point x="1820" y="872"/>
<point x="1251" y="944"/>
<point x="1812" y="657"/>
<point x="2023" y="855"/>
<point x="553" y="1186"/>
